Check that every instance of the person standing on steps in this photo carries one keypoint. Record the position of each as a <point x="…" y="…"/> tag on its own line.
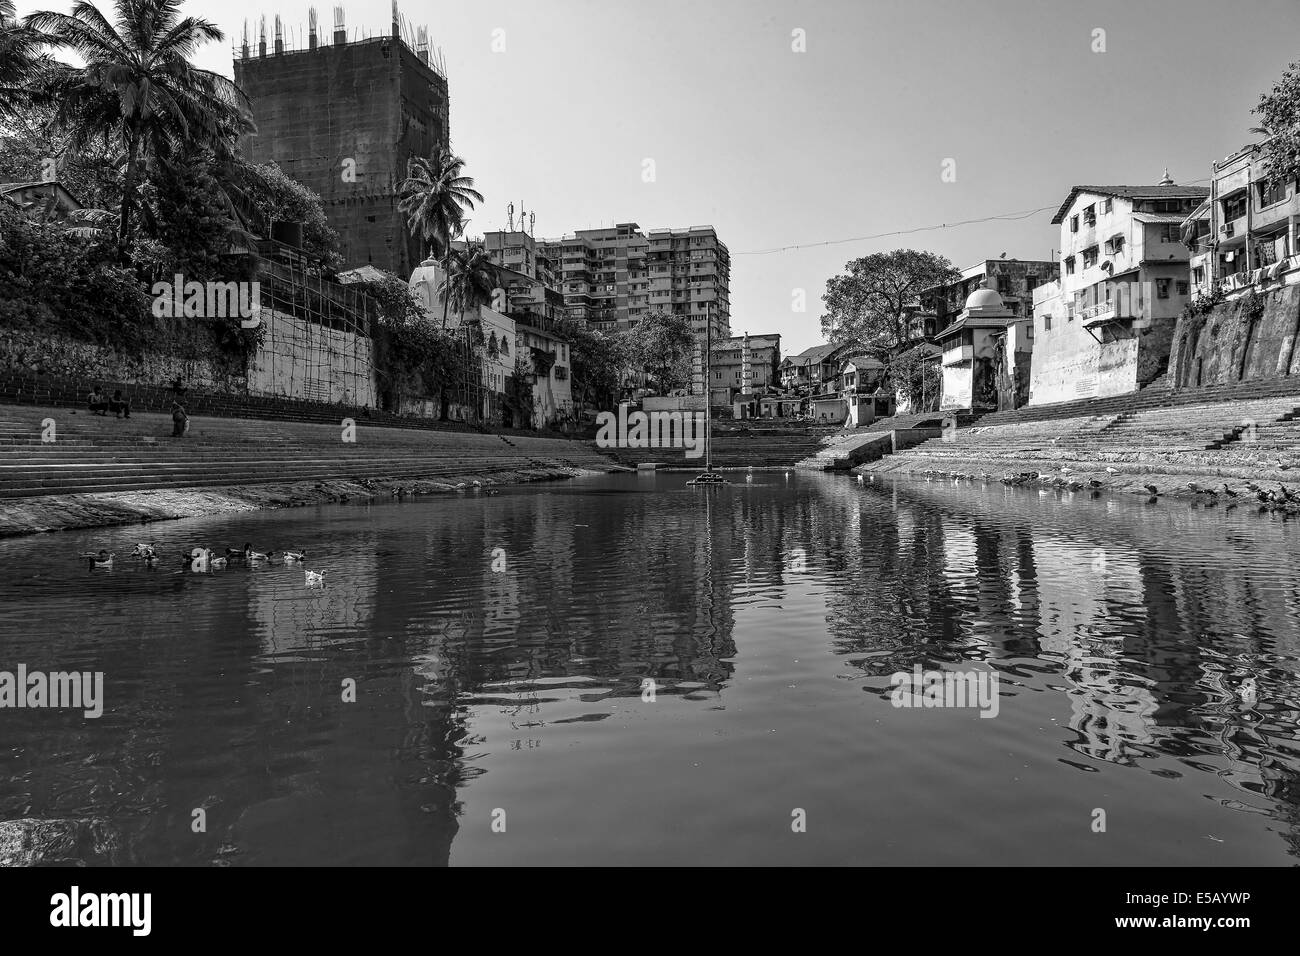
<point x="180" y="421"/>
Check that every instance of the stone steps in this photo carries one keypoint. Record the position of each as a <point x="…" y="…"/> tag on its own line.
<point x="94" y="454"/>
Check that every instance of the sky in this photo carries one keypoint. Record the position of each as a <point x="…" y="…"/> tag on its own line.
<point x="823" y="148"/>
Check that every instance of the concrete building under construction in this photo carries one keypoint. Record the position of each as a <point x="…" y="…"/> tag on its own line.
<point x="344" y="118"/>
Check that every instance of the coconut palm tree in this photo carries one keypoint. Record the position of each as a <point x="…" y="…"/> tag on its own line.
<point x="470" y="280"/>
<point x="435" y="197"/>
<point x="21" y="60"/>
<point x="139" y="88"/>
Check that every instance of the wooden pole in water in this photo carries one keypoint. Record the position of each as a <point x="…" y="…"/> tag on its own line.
<point x="708" y="372"/>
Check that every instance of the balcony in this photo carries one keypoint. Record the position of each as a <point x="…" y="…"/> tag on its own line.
<point x="956" y="354"/>
<point x="1099" y="313"/>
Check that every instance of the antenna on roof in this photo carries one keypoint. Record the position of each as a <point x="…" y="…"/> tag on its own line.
<point x="311" y="28"/>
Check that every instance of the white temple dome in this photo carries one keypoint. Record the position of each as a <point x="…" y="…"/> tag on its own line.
<point x="982" y="299"/>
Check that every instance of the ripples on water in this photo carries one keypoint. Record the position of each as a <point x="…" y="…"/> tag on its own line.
<point x="769" y="615"/>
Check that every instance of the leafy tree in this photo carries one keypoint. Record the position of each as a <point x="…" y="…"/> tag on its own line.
<point x="1279" y="119"/>
<point x="412" y="356"/>
<point x="868" y="302"/>
<point x="269" y="196"/>
<point x="137" y="86"/>
<point x="56" y="282"/>
<point x="660" y="346"/>
<point x="30" y="139"/>
<point x="916" y="374"/>
<point x="518" y="398"/>
<point x="595" y="361"/>
<point x="186" y="211"/>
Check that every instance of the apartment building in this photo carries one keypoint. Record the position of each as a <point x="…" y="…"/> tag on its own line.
<point x="1014" y="280"/>
<point x="1244" y="243"/>
<point x="612" y="277"/>
<point x="1245" y="231"/>
<point x="759" y="355"/>
<point x="527" y="276"/>
<point x="745" y="367"/>
<point x="1106" y="326"/>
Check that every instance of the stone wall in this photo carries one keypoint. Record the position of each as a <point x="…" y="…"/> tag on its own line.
<point x="296" y="359"/>
<point x="30" y="353"/>
<point x="1235" y="342"/>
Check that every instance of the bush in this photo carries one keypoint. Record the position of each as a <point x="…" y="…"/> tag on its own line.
<point x="56" y="283"/>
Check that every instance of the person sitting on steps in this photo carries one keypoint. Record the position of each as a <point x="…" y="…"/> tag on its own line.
<point x="97" y="402"/>
<point x="180" y="421"/>
<point x="119" y="405"/>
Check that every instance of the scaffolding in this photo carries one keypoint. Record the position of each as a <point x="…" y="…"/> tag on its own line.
<point x="317" y="345"/>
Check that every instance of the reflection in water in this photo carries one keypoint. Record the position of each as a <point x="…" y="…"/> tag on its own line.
<point x="1147" y="657"/>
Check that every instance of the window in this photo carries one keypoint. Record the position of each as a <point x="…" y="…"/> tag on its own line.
<point x="1004" y="285"/>
<point x="1090" y="256"/>
<point x="1107" y="205"/>
<point x="1114" y="245"/>
<point x="1074" y="223"/>
<point x="1167" y="205"/>
<point x="1271" y="191"/>
<point x="1090" y="215"/>
<point x="1031" y="282"/>
<point x="1181" y="287"/>
<point x="1162" y="288"/>
<point x="1234" y="208"/>
<point x="1069" y="265"/>
<point x="1169" y="233"/>
<point x="1047" y="323"/>
<point x="1198" y="275"/>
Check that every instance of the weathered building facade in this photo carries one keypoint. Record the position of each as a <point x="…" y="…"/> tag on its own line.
<point x="1245" y="269"/>
<point x="1013" y="279"/>
<point x="1106" y="326"/>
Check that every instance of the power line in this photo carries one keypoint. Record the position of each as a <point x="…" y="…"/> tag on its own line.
<point x="1000" y="217"/>
<point x="1004" y="217"/>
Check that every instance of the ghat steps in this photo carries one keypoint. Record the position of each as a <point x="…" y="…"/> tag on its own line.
<point x="98" y="454"/>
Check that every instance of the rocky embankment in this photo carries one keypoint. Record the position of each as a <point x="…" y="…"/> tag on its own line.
<point x="58" y="842"/>
<point x="1269" y="493"/>
<point x="63" y="512"/>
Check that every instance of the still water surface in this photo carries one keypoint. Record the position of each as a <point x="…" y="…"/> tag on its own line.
<point x="508" y="684"/>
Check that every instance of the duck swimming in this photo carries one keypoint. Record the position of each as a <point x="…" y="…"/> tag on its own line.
<point x="315" y="578"/>
<point x="145" y="551"/>
<point x="293" y="557"/>
<point x="203" y="559"/>
<point x="104" y="559"/>
<point x="247" y="553"/>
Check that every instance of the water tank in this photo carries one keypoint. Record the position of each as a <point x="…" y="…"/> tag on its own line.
<point x="290" y="233"/>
